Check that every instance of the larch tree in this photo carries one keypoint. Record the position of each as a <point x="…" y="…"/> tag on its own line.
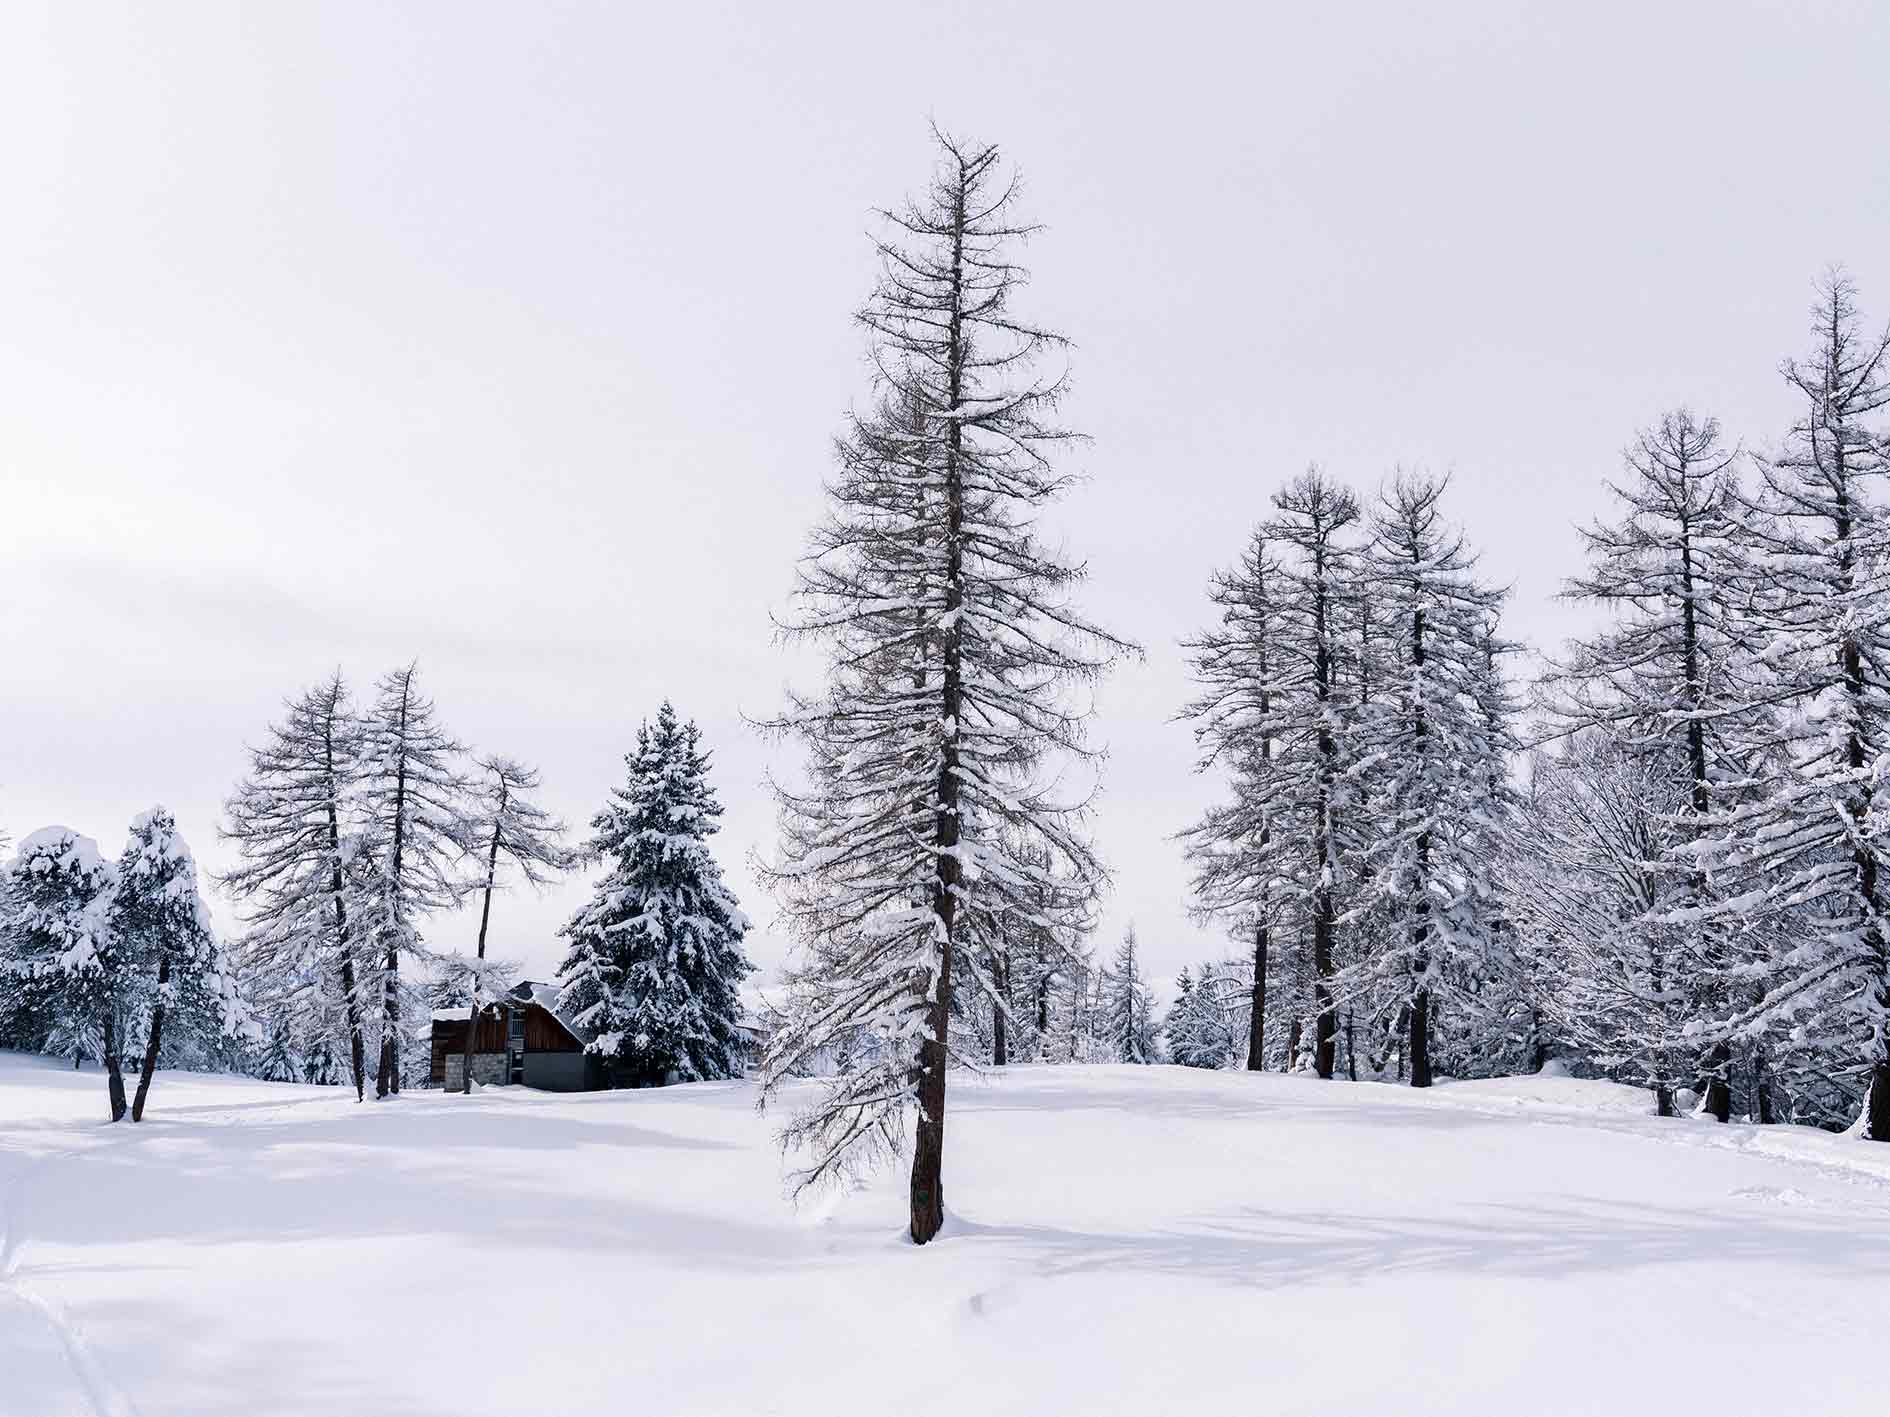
<point x="1245" y="852"/>
<point x="519" y="838"/>
<point x="1425" y="746"/>
<point x="416" y="829"/>
<point x="655" y="963"/>
<point x="1312" y="517"/>
<point x="1128" y="1023"/>
<point x="951" y="714"/>
<point x="163" y="933"/>
<point x="1670" y="676"/>
<point x="59" y="948"/>
<point x="1812" y="841"/>
<point x="291" y="820"/>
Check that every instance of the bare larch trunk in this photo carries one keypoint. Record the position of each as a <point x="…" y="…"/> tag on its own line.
<point x="153" y="1043"/>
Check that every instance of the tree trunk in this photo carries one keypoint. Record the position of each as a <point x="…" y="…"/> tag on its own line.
<point x="485" y="919"/>
<point x="1292" y="1046"/>
<point x="152" y="1043"/>
<point x="1257" y="1025"/>
<point x="1718" y="1082"/>
<point x="1663" y="1100"/>
<point x="1762" y="1104"/>
<point x="357" y="1050"/>
<point x="1421" y="1038"/>
<point x="114" y="1075"/>
<point x="388" y="1080"/>
<point x="1351" y="1055"/>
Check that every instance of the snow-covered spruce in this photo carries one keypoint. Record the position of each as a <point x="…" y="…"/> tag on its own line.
<point x="57" y="950"/>
<point x="1128" y="1021"/>
<point x="167" y="950"/>
<point x="936" y="787"/>
<point x="292" y="821"/>
<point x="655" y="961"/>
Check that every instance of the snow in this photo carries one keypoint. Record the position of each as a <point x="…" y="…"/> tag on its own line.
<point x="1121" y="1240"/>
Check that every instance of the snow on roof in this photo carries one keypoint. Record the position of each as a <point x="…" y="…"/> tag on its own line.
<point x="451" y="1015"/>
<point x="548" y="997"/>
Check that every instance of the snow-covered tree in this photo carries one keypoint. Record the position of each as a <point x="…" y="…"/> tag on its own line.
<point x="416" y="828"/>
<point x="1812" y="843"/>
<point x="162" y="935"/>
<point x="1128" y="1023"/>
<point x="1425" y="746"/>
<point x="655" y="962"/>
<point x="1206" y="1025"/>
<point x="58" y="949"/>
<point x="948" y="720"/>
<point x="291" y="820"/>
<point x="1248" y="860"/>
<point x="1670" y="677"/>
<point x="520" y="838"/>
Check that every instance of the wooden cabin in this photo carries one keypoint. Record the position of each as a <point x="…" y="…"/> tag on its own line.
<point x="523" y="1039"/>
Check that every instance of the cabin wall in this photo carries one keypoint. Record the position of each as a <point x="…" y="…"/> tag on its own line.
<point x="489" y="1070"/>
<point x="561" y="1072"/>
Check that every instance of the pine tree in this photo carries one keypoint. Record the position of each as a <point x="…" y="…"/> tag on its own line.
<point x="1128" y="1025"/>
<point x="416" y="829"/>
<point x="948" y="715"/>
<point x="1426" y="747"/>
<point x="518" y="836"/>
<point x="162" y="932"/>
<point x="656" y="962"/>
<point x="1204" y="1027"/>
<point x="59" y="949"/>
<point x="1670" y="677"/>
<point x="292" y="820"/>
<point x="1812" y="845"/>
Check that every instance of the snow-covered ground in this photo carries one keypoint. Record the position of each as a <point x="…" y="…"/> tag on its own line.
<point x="1128" y="1240"/>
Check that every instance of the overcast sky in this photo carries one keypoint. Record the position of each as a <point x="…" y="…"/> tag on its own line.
<point x="512" y="338"/>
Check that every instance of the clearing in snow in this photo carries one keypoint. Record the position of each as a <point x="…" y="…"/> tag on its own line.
<point x="1145" y="1240"/>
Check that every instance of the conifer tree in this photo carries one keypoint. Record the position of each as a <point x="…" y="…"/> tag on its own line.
<point x="656" y="962"/>
<point x="1811" y="843"/>
<point x="1128" y="1025"/>
<point x="60" y="952"/>
<point x="1671" y="676"/>
<point x="518" y="836"/>
<point x="949" y="714"/>
<point x="1425" y="745"/>
<point x="162" y="932"/>
<point x="291" y="821"/>
<point x="416" y="829"/>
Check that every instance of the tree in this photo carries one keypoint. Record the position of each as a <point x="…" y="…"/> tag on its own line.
<point x="57" y="942"/>
<point x="949" y="712"/>
<point x="1128" y="1024"/>
<point x="162" y="932"/>
<point x="292" y="821"/>
<point x="416" y="829"/>
<point x="1427" y="747"/>
<point x="1312" y="514"/>
<point x="1811" y="844"/>
<point x="1246" y="858"/>
<point x="655" y="963"/>
<point x="1204" y="1027"/>
<point x="1670" y="676"/>
<point x="518" y="836"/>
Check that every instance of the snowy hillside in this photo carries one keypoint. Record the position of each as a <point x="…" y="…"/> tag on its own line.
<point x="1135" y="1240"/>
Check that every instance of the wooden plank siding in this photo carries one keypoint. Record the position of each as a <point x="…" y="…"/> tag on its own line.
<point x="543" y="1034"/>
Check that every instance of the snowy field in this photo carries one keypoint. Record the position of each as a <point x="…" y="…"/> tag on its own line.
<point x="1133" y="1240"/>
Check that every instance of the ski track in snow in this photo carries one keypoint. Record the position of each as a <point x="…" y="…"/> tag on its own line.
<point x="104" y="1396"/>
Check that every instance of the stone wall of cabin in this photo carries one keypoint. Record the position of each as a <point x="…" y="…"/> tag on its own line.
<point x="488" y="1070"/>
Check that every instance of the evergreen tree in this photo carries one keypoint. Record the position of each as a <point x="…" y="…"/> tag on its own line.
<point x="1425" y="746"/>
<point x="1670" y="678"/>
<point x="1811" y="844"/>
<point x="655" y="962"/>
<point x="1248" y="863"/>
<point x="518" y="836"/>
<point x="58" y="948"/>
<point x="292" y="820"/>
<point x="948" y="717"/>
<point x="416" y="829"/>
<point x="1128" y="1024"/>
<point x="1204" y="1024"/>
<point x="162" y="933"/>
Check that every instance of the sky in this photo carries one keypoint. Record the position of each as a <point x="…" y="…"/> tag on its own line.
<point x="511" y="339"/>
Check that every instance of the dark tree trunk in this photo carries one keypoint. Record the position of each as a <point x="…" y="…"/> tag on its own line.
<point x="1718" y="1082"/>
<point x="388" y="1079"/>
<point x="1421" y="1038"/>
<point x="1762" y="1105"/>
<point x="1326" y="1024"/>
<point x="1292" y="1046"/>
<point x="357" y="1050"/>
<point x="1000" y="1041"/>
<point x="114" y="1074"/>
<point x="1257" y="1026"/>
<point x="1351" y="1054"/>
<point x="1663" y="1100"/>
<point x="1538" y="1043"/>
<point x="485" y="919"/>
<point x="152" y="1043"/>
<point x="1877" y="1105"/>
